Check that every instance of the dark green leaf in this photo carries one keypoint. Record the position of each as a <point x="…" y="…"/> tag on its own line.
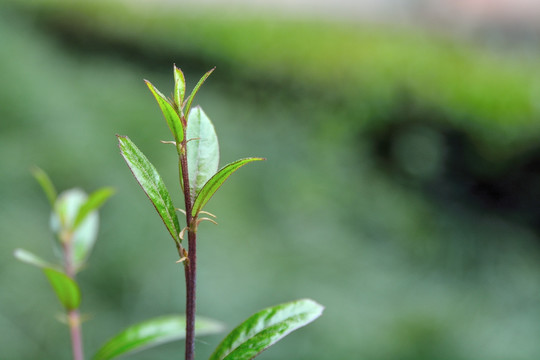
<point x="30" y="258"/>
<point x="179" y="87"/>
<point x="46" y="184"/>
<point x="152" y="184"/>
<point x="202" y="150"/>
<point x="215" y="182"/>
<point x="94" y="201"/>
<point x="65" y="288"/>
<point x="265" y="328"/>
<point x="152" y="333"/>
<point x="170" y="114"/>
<point x="189" y="100"/>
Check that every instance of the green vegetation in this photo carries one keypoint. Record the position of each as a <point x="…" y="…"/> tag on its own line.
<point x="197" y="147"/>
<point x="75" y="225"/>
<point x="402" y="273"/>
<point x="490" y="95"/>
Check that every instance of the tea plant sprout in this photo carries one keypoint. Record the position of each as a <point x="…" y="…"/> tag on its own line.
<point x="196" y="144"/>
<point x="74" y="222"/>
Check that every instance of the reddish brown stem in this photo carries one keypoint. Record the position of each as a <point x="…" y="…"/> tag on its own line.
<point x="190" y="265"/>
<point x="191" y="282"/>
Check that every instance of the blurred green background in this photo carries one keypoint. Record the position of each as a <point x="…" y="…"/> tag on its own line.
<point x="401" y="188"/>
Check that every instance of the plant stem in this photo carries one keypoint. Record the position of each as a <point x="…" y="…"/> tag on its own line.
<point x="191" y="262"/>
<point x="74" y="319"/>
<point x="190" y="296"/>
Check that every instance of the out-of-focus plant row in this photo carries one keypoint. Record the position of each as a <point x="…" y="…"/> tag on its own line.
<point x="363" y="69"/>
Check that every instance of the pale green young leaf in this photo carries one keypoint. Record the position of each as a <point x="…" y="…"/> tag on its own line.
<point x="170" y="114"/>
<point x="32" y="259"/>
<point x="94" y="201"/>
<point x="265" y="328"/>
<point x="46" y="184"/>
<point x="215" y="182"/>
<point x="66" y="209"/>
<point x="179" y="87"/>
<point x="191" y="96"/>
<point x="202" y="150"/>
<point x="152" y="184"/>
<point x="65" y="288"/>
<point x="152" y="333"/>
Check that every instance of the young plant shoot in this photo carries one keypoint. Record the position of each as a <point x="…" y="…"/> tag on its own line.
<point x="75" y="223"/>
<point x="196" y="144"/>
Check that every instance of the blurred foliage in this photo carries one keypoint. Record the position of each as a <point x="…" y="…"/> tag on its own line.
<point x="491" y="94"/>
<point x="377" y="140"/>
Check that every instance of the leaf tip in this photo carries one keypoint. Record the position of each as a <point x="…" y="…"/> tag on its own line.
<point x="21" y="255"/>
<point x="34" y="169"/>
<point x="176" y="68"/>
<point x="46" y="184"/>
<point x="152" y="88"/>
<point x="108" y="191"/>
<point x="121" y="139"/>
<point x="17" y="253"/>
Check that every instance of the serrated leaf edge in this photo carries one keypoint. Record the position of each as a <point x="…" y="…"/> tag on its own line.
<point x="246" y="326"/>
<point x="175" y="124"/>
<point x="171" y="216"/>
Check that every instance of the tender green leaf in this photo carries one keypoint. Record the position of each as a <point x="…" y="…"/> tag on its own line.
<point x="152" y="333"/>
<point x="202" y="150"/>
<point x="66" y="209"/>
<point x="152" y="184"/>
<point x="265" y="328"/>
<point x="95" y="200"/>
<point x="189" y="100"/>
<point x="30" y="258"/>
<point x="179" y="87"/>
<point x="215" y="182"/>
<point x="65" y="288"/>
<point x="170" y="114"/>
<point x="46" y="184"/>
